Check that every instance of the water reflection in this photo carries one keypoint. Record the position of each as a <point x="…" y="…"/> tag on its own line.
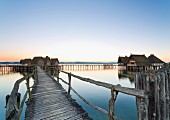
<point x="6" y="70"/>
<point x="123" y="74"/>
<point x="125" y="105"/>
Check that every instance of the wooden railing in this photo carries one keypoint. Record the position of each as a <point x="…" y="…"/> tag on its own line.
<point x="13" y="106"/>
<point x="140" y="94"/>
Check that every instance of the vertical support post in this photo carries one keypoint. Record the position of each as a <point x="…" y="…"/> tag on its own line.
<point x="18" y="99"/>
<point x="57" y="73"/>
<point x="69" y="79"/>
<point x="7" y="98"/>
<point x="141" y="110"/>
<point x="163" y="97"/>
<point x="35" y="74"/>
<point x="111" y="103"/>
<point x="158" y="112"/>
<point x="46" y="68"/>
<point x="111" y="106"/>
<point x="28" y="88"/>
<point x="54" y="71"/>
<point x="167" y="95"/>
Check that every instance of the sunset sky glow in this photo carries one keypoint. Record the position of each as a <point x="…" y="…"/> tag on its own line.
<point x="84" y="30"/>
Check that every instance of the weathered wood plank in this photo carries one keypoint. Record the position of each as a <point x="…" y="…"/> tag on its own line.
<point x="51" y="101"/>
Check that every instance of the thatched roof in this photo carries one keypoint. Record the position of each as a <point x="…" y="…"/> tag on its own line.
<point x="46" y="59"/>
<point x="25" y="61"/>
<point x="153" y="59"/>
<point x="54" y="60"/>
<point x="36" y="59"/>
<point x="140" y="60"/>
<point x="123" y="59"/>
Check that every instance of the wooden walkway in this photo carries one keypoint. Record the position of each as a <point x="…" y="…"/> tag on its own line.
<point x="51" y="102"/>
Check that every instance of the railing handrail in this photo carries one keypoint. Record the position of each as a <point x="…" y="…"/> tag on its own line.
<point x="126" y="90"/>
<point x="87" y="102"/>
<point x="11" y="106"/>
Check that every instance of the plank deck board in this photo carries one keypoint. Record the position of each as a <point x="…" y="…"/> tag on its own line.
<point x="51" y="102"/>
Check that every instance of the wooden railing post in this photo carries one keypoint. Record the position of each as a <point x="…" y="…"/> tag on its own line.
<point x="7" y="98"/>
<point x="111" y="103"/>
<point x="111" y="106"/>
<point x="18" y="99"/>
<point x="53" y="71"/>
<point x="69" y="79"/>
<point x="35" y="75"/>
<point x="28" y="88"/>
<point x="57" y="73"/>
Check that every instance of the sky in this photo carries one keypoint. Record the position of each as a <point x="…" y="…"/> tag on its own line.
<point x="84" y="30"/>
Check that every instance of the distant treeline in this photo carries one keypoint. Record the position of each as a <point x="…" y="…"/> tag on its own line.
<point x="9" y="63"/>
<point x="68" y="62"/>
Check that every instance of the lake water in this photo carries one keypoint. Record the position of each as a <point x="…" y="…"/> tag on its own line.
<point x="125" y="105"/>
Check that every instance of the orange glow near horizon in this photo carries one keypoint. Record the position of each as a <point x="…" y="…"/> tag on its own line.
<point x="165" y="58"/>
<point x="17" y="58"/>
<point x="13" y="57"/>
<point x="9" y="58"/>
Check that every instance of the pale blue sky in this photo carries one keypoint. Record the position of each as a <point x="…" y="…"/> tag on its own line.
<point x="84" y="30"/>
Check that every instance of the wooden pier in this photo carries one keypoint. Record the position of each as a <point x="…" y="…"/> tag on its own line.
<point x="85" y="67"/>
<point x="50" y="101"/>
<point x="6" y="69"/>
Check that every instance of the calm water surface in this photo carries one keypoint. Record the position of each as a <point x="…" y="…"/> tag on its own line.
<point x="125" y="105"/>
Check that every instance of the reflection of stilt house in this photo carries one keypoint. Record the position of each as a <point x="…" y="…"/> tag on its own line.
<point x="156" y="62"/>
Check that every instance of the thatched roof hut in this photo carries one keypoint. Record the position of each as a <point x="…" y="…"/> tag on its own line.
<point x="37" y="61"/>
<point x="54" y="61"/>
<point x="153" y="59"/>
<point x="123" y="60"/>
<point x="139" y="60"/>
<point x="25" y="62"/>
<point x="47" y="60"/>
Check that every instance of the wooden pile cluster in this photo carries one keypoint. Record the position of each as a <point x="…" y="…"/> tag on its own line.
<point x="157" y="86"/>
